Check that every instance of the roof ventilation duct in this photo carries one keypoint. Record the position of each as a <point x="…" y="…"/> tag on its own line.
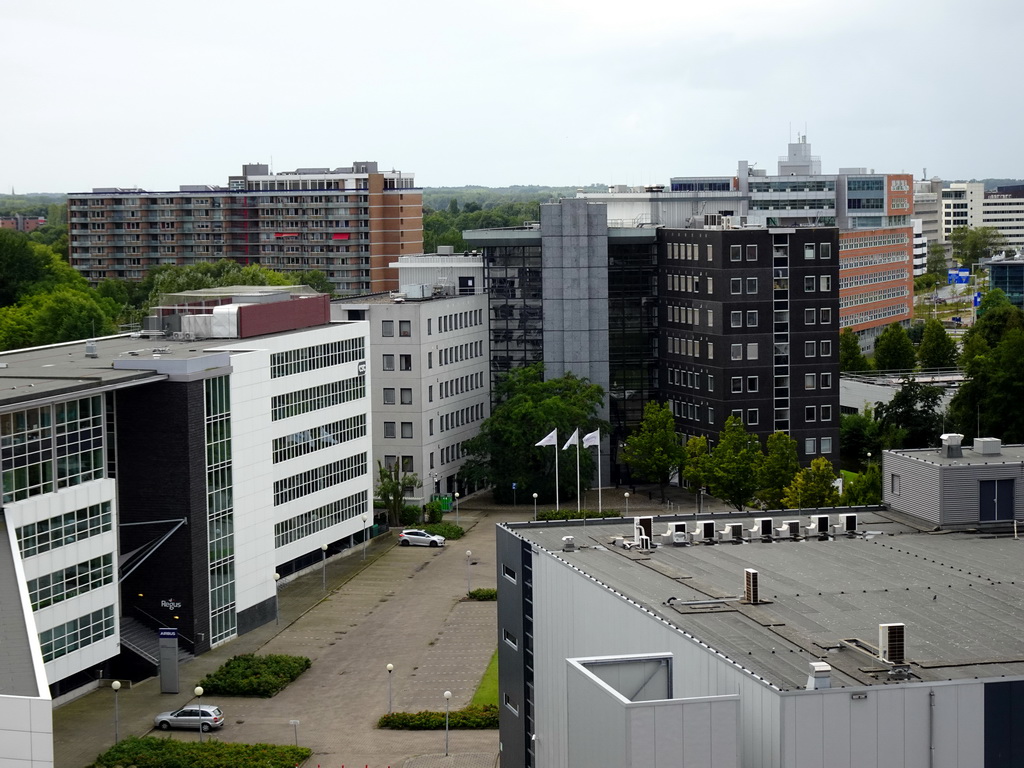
<point x="951" y="448"/>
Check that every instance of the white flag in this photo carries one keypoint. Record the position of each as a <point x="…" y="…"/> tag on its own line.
<point x="574" y="440"/>
<point x="594" y="438"/>
<point x="551" y="439"/>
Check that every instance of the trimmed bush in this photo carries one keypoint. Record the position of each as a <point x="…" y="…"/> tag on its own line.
<point x="410" y="515"/>
<point x="572" y="514"/>
<point x="483" y="594"/>
<point x="448" y="530"/>
<point x="165" y="752"/>
<point x="435" y="512"/>
<point x="470" y="718"/>
<point x="251" y="675"/>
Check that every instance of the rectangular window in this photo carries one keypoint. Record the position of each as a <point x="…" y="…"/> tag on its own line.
<point x="736" y="319"/>
<point x="809" y="251"/>
<point x="407" y="430"/>
<point x="389" y="395"/>
<point x="809" y="413"/>
<point x="826" y="381"/>
<point x="826" y="445"/>
<point x="809" y="316"/>
<point x="751" y="318"/>
<point x="711" y="252"/>
<point x="894" y="484"/>
<point x="711" y="285"/>
<point x="735" y="253"/>
<point x="508" y="573"/>
<point x="809" y="348"/>
<point x="825" y="283"/>
<point x="810" y="446"/>
<point x="389" y="429"/>
<point x="752" y="417"/>
<point x="511" y="705"/>
<point x="809" y="284"/>
<point x="809" y="380"/>
<point x="736" y="285"/>
<point x="430" y="359"/>
<point x="511" y="639"/>
<point x="825" y="316"/>
<point x="389" y="362"/>
<point x="825" y="251"/>
<point x="407" y="464"/>
<point x="826" y="349"/>
<point x="826" y="413"/>
<point x="430" y="393"/>
<point x="752" y="350"/>
<point x="751" y="285"/>
<point x="429" y="326"/>
<point x="751" y="253"/>
<point x="405" y="362"/>
<point x="711" y="383"/>
<point x="751" y="383"/>
<point x="711" y="317"/>
<point x="737" y="383"/>
<point x="736" y="352"/>
<point x="405" y="328"/>
<point x="406" y="396"/>
<point x="387" y="328"/>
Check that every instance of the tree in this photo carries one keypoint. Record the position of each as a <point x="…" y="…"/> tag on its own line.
<point x="778" y="469"/>
<point x="696" y="467"/>
<point x="22" y="266"/>
<point x="50" y="318"/>
<point x="527" y="408"/>
<point x="936" y="264"/>
<point x="858" y="437"/>
<point x="911" y="419"/>
<point x="988" y="403"/>
<point x="937" y="349"/>
<point x="893" y="350"/>
<point x="851" y="359"/>
<point x="653" y="450"/>
<point x="993" y="299"/>
<point x="735" y="464"/>
<point x="392" y="486"/>
<point x="813" y="486"/>
<point x="971" y="244"/>
<point x="864" y="488"/>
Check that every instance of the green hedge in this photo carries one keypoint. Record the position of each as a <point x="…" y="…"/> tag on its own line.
<point x="250" y="675"/>
<point x="448" y="530"/>
<point x="472" y="717"/>
<point x="165" y="752"/>
<point x="483" y="594"/>
<point x="572" y="514"/>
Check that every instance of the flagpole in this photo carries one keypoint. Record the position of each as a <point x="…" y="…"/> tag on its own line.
<point x="599" y="476"/>
<point x="578" y="509"/>
<point x="557" y="455"/>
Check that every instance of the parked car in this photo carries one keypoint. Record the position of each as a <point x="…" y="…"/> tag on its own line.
<point x="206" y="716"/>
<point x="416" y="537"/>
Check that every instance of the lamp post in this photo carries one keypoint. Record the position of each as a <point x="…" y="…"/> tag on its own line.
<point x="626" y="494"/>
<point x="199" y="694"/>
<point x="323" y="568"/>
<point x="364" y="535"/>
<point x="391" y="668"/>
<point x="277" y="600"/>
<point x="116" y="686"/>
<point x="433" y="477"/>
<point x="447" y="701"/>
<point x="535" y="507"/>
<point x="469" y="556"/>
<point x="456" y="507"/>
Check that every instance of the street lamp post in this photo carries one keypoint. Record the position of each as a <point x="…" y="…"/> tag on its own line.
<point x="116" y="686"/>
<point x="364" y="535"/>
<point x="391" y="668"/>
<point x="447" y="701"/>
<point x="277" y="600"/>
<point x="199" y="694"/>
<point x="626" y="494"/>
<point x="456" y="507"/>
<point x="535" y="507"/>
<point x="323" y="568"/>
<point x="469" y="556"/>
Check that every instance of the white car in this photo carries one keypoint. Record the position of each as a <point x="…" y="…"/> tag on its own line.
<point x="416" y="537"/>
<point x="206" y="717"/>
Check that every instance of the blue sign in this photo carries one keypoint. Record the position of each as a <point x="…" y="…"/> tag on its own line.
<point x="958" y="276"/>
<point x="977" y="299"/>
<point x="513" y="486"/>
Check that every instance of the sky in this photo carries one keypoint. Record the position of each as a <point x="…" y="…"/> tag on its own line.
<point x="116" y="93"/>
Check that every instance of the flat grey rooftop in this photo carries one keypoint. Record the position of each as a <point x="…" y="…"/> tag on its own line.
<point x="17" y="670"/>
<point x="960" y="595"/>
<point x="1007" y="454"/>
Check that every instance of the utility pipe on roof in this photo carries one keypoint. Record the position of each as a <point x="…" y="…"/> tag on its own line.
<point x="931" y="728"/>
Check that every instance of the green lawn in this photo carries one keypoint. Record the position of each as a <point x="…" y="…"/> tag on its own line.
<point x="487" y="691"/>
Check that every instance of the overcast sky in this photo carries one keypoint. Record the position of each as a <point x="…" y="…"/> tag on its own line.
<point x="556" y="92"/>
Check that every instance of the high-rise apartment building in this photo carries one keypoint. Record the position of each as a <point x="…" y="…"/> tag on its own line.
<point x="349" y="223"/>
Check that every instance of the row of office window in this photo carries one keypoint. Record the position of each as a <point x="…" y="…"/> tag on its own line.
<point x="693" y="411"/>
<point x="873" y="259"/>
<point x="319" y="519"/>
<point x="459" y="417"/>
<point x="870" y="315"/>
<point x="688" y="251"/>
<point x="313" y="358"/>
<point x="390" y="432"/>
<point x="457" y="353"/>
<point x="873" y="241"/>
<point x="452" y="453"/>
<point x="61" y="530"/>
<point x="689" y="315"/>
<point x="387" y="328"/>
<point x="689" y="347"/>
<point x="871" y="278"/>
<point x="319" y="478"/>
<point x="689" y="283"/>
<point x="77" y="633"/>
<point x="407" y="464"/>
<point x="737" y="317"/>
<point x="220" y="511"/>
<point x="389" y="395"/>
<point x="71" y="581"/>
<point x="404" y="362"/>
<point x="315" y="439"/>
<point x="811" y="445"/>
<point x="689" y="379"/>
<point x="459" y="385"/>
<point x="316" y="398"/>
<point x="457" y="320"/>
<point x="893" y="292"/>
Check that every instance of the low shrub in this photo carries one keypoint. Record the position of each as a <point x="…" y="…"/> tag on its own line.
<point x="448" y="530"/>
<point x="572" y="514"/>
<point x="410" y="515"/>
<point x="483" y="594"/>
<point x="251" y="675"/>
<point x="470" y="718"/>
<point x="165" y="752"/>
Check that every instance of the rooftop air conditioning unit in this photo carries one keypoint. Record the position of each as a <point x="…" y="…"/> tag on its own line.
<point x="706" y="531"/>
<point x="892" y="643"/>
<point x="988" y="446"/>
<point x="750" y="591"/>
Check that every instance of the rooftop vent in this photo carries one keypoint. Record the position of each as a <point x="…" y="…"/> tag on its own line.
<point x="90" y="348"/>
<point x="891" y="643"/>
<point x="988" y="446"/>
<point x="951" y="446"/>
<point x="750" y="592"/>
<point x="568" y="543"/>
<point x="820" y="676"/>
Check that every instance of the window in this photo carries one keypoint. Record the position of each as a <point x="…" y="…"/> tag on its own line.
<point x="809" y="380"/>
<point x="736" y="285"/>
<point x="752" y="417"/>
<point x="894" y="484"/>
<point x="825" y="251"/>
<point x="736" y="319"/>
<point x="711" y="252"/>
<point x="407" y="430"/>
<point x="752" y="318"/>
<point x="736" y="351"/>
<point x="751" y="285"/>
<point x="809" y="316"/>
<point x="751" y="383"/>
<point x="405" y="362"/>
<point x="738" y="413"/>
<point x="389" y="429"/>
<point x="810" y="413"/>
<point x="810" y="446"/>
<point x="711" y="285"/>
<point x="429" y="326"/>
<point x="735" y="253"/>
<point x="826" y="445"/>
<point x="826" y="381"/>
<point x="390" y="461"/>
<point x="711" y="317"/>
<point x="711" y="383"/>
<point x="508" y="573"/>
<point x="809" y="250"/>
<point x="430" y="393"/>
<point x="826" y="349"/>
<point x="511" y="705"/>
<point x="430" y="359"/>
<point x="387" y="328"/>
<point x="407" y="464"/>
<point x="737" y="383"/>
<point x="406" y="396"/>
<point x="809" y="349"/>
<point x="431" y="425"/>
<point x="711" y="415"/>
<point x="825" y="316"/>
<point x="389" y="395"/>
<point x="826" y="415"/>
<point x="405" y="328"/>
<point x="389" y="362"/>
<point x="751" y="253"/>
<point x="511" y="639"/>
<point x="752" y="351"/>
<point x="825" y="283"/>
<point x="809" y="284"/>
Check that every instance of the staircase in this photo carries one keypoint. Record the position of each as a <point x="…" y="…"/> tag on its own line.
<point x="144" y="641"/>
